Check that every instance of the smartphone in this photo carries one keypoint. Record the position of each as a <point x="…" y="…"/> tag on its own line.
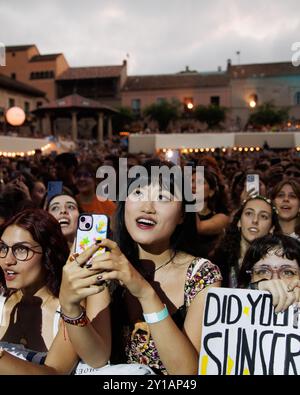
<point x="54" y="188"/>
<point x="90" y="228"/>
<point x="252" y="182"/>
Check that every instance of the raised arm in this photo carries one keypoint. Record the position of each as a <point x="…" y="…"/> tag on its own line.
<point x="82" y="290"/>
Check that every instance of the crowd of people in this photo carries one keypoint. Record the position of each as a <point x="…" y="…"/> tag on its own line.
<point x="125" y="309"/>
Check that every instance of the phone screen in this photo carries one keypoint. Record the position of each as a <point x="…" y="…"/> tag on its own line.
<point x="252" y="183"/>
<point x="91" y="227"/>
<point x="54" y="188"/>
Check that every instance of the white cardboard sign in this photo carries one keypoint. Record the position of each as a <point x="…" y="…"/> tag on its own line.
<point x="242" y="335"/>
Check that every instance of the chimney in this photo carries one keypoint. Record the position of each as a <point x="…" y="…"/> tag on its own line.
<point x="219" y="69"/>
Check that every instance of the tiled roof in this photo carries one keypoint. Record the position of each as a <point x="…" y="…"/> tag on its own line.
<point x="77" y="73"/>
<point x="44" y="58"/>
<point x="175" y="81"/>
<point x="263" y="70"/>
<point x="14" y="48"/>
<point x="9" y="83"/>
<point x="75" y="101"/>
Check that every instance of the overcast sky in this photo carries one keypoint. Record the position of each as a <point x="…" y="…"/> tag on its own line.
<point x="155" y="36"/>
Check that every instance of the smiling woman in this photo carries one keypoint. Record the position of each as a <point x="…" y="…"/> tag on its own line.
<point x="256" y="218"/>
<point x="64" y="208"/>
<point x="286" y="198"/>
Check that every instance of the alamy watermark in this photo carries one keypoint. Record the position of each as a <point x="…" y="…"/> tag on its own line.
<point x="2" y="55"/>
<point x="177" y="181"/>
<point x="296" y="56"/>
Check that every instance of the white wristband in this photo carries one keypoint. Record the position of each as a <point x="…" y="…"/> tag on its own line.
<point x="152" y="318"/>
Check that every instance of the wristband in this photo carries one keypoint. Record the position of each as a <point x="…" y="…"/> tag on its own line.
<point x="153" y="318"/>
<point x="81" y="320"/>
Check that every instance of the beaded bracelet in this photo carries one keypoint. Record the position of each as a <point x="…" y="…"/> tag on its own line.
<point x="81" y="320"/>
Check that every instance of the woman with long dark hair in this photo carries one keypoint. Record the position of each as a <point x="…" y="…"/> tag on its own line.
<point x="255" y="218"/>
<point x="159" y="282"/>
<point x="286" y="198"/>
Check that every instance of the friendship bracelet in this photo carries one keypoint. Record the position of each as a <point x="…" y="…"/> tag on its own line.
<point x="81" y="320"/>
<point x="153" y="318"/>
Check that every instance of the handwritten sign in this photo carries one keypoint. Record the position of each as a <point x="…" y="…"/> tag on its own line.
<point x="242" y="335"/>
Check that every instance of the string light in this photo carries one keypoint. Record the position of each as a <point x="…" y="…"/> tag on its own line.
<point x="22" y="154"/>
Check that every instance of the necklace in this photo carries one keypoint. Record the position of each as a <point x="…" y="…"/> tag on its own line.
<point x="166" y="263"/>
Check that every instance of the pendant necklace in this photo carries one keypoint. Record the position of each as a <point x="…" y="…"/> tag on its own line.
<point x="166" y="263"/>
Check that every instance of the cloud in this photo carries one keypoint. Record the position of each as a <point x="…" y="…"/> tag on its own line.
<point x="160" y="36"/>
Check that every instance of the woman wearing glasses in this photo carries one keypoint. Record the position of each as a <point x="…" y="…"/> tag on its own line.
<point x="286" y="198"/>
<point x="33" y="252"/>
<point x="272" y="263"/>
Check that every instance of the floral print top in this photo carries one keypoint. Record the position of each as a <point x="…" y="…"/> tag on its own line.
<point x="139" y="346"/>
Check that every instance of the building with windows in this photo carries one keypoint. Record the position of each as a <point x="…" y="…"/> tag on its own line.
<point x="240" y="88"/>
<point x="15" y="93"/>
<point x="255" y="84"/>
<point x="24" y="63"/>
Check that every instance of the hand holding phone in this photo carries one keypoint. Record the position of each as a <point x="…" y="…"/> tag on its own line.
<point x="54" y="188"/>
<point x="252" y="184"/>
<point x="91" y="228"/>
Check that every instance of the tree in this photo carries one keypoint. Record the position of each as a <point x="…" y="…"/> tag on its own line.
<point x="163" y="112"/>
<point x="267" y="115"/>
<point x="212" y="115"/>
<point x="122" y="119"/>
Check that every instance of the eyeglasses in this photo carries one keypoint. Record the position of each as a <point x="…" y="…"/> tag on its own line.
<point x="284" y="272"/>
<point x="20" y="251"/>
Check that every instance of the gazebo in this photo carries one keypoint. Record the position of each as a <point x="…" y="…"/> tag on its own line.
<point x="73" y="107"/>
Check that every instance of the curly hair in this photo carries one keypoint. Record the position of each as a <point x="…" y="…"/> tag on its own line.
<point x="46" y="231"/>
<point x="228" y="252"/>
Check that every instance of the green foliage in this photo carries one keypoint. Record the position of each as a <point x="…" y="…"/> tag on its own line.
<point x="122" y="120"/>
<point x="211" y="115"/>
<point x="163" y="112"/>
<point x="267" y="115"/>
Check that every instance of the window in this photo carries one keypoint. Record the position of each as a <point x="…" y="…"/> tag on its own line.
<point x="38" y="75"/>
<point x="215" y="100"/>
<point x="13" y="76"/>
<point x="136" y="106"/>
<point x="27" y="107"/>
<point x="160" y="100"/>
<point x="39" y="104"/>
<point x="297" y="98"/>
<point x="11" y="102"/>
